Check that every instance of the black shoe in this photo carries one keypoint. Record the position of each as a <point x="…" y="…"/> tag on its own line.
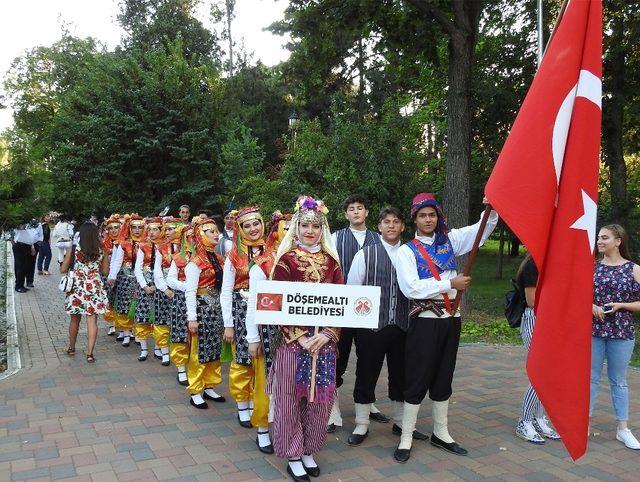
<point x="166" y="363"/>
<point x="246" y="424"/>
<point x="111" y="333"/>
<point x="268" y="449"/>
<point x="142" y="357"/>
<point x="219" y="399"/>
<point x="331" y="428"/>
<point x="201" y="406"/>
<point x="379" y="417"/>
<point x="21" y="290"/>
<point x="136" y="342"/>
<point x="184" y="384"/>
<point x="297" y="478"/>
<point x="402" y="455"/>
<point x="396" y="430"/>
<point x="312" y="471"/>
<point x="356" y="439"/>
<point x="453" y="447"/>
<point x="155" y="355"/>
<point x="126" y="343"/>
<point x="120" y="337"/>
<point x="29" y="285"/>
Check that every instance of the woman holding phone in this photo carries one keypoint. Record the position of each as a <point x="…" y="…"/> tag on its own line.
<point x="616" y="296"/>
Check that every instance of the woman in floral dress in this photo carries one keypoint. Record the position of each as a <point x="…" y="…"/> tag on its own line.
<point x="87" y="296"/>
<point x="616" y="296"/>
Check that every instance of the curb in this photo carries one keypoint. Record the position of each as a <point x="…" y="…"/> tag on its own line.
<point x="14" y="362"/>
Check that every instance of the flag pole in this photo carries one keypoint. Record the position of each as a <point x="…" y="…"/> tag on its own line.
<point x="473" y="253"/>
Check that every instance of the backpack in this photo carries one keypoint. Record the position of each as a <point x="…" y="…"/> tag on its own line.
<point x="514" y="305"/>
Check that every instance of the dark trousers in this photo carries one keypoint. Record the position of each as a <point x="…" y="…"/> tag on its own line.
<point x="371" y="349"/>
<point x="430" y="358"/>
<point x="344" y="350"/>
<point x="44" y="256"/>
<point x="21" y="254"/>
<point x="30" y="268"/>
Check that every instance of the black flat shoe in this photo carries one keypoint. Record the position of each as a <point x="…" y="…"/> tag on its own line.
<point x="142" y="357"/>
<point x="379" y="417"/>
<point x="126" y="343"/>
<point x="246" y="424"/>
<point x="355" y="439"/>
<point x="402" y="455"/>
<point x="21" y="290"/>
<point x="268" y="449"/>
<point x="312" y="471"/>
<point x="396" y="430"/>
<point x="120" y="337"/>
<point x="219" y="399"/>
<point x="297" y="478"/>
<point x="453" y="447"/>
<point x="331" y="428"/>
<point x="184" y="384"/>
<point x="155" y="355"/>
<point x="166" y="364"/>
<point x="29" y="285"/>
<point x="201" y="406"/>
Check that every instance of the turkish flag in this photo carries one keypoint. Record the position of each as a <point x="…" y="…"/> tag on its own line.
<point x="545" y="187"/>
<point x="269" y="302"/>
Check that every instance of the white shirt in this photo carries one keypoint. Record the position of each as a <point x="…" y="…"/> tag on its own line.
<point x="420" y="289"/>
<point x="226" y="292"/>
<point x="172" y="279"/>
<point x="255" y="274"/>
<point x="62" y="231"/>
<point x="359" y="235"/>
<point x="117" y="258"/>
<point x="37" y="233"/>
<point x="24" y="236"/>
<point x="358" y="269"/>
<point x="137" y="268"/>
<point x="192" y="273"/>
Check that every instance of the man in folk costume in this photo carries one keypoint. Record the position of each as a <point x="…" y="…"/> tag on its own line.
<point x="203" y="282"/>
<point x="121" y="274"/>
<point x="426" y="268"/>
<point x="109" y="243"/>
<point x="249" y="243"/>
<point x="163" y="300"/>
<point x="262" y="339"/>
<point x="304" y="367"/>
<point x="146" y="289"/>
<point x="348" y="242"/>
<point x="226" y="238"/>
<point x="374" y="265"/>
<point x="176" y="281"/>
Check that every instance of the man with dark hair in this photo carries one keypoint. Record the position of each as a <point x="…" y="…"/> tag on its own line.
<point x="205" y="213"/>
<point x="185" y="213"/>
<point x="348" y="242"/>
<point x="427" y="275"/>
<point x="226" y="235"/>
<point x="374" y="265"/>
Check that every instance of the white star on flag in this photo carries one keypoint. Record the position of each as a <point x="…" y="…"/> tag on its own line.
<point x="587" y="221"/>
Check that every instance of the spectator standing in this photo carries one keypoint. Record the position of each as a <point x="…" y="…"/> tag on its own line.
<point x="44" y="251"/>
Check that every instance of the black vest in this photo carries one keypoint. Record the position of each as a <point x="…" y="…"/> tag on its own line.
<point x="347" y="247"/>
<point x="379" y="271"/>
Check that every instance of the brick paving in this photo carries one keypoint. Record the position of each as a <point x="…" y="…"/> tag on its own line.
<point x="118" y="419"/>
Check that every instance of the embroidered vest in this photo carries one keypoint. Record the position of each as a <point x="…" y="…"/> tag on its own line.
<point x="347" y="247"/>
<point x="442" y="256"/>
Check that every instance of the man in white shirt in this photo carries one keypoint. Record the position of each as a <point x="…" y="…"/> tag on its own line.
<point x="374" y="265"/>
<point x="348" y="242"/>
<point x="23" y="247"/>
<point x="427" y="275"/>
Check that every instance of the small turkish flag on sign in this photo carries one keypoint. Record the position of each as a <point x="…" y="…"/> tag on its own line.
<point x="269" y="302"/>
<point x="545" y="187"/>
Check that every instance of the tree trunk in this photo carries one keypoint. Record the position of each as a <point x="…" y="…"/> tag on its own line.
<point x="612" y="120"/>
<point x="230" y="7"/>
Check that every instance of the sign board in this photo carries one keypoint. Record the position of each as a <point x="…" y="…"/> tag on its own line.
<point x="317" y="304"/>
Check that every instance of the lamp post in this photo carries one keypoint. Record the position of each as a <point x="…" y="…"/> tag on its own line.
<point x="293" y="126"/>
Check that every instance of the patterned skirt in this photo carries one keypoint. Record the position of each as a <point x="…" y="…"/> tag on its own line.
<point x="111" y="292"/>
<point x="144" y="302"/>
<point x="271" y="337"/>
<point x="178" y="321"/>
<point x="162" y="309"/>
<point x="211" y="328"/>
<point x="125" y="290"/>
<point x="240" y="329"/>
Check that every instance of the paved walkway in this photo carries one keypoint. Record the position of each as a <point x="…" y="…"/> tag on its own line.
<point x="118" y="419"/>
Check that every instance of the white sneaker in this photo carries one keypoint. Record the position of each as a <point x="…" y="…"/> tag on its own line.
<point x="626" y="437"/>
<point x="526" y="431"/>
<point x="543" y="428"/>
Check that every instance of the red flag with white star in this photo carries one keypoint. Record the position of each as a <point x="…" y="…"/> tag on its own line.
<point x="545" y="187"/>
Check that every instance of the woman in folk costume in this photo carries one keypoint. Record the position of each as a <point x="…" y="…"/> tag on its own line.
<point x="204" y="318"/>
<point x="249" y="243"/>
<point x="304" y="371"/>
<point x="121" y="273"/>
<point x="261" y="339"/>
<point x="146" y="289"/>
<point x="163" y="299"/>
<point x="176" y="281"/>
<point x="109" y="243"/>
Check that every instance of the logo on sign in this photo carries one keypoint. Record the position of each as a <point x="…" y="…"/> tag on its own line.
<point x="269" y="302"/>
<point x="362" y="306"/>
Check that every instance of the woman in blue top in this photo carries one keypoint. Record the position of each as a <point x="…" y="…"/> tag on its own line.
<point x="616" y="295"/>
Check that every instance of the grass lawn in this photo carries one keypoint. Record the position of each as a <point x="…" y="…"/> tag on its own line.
<point x="486" y="322"/>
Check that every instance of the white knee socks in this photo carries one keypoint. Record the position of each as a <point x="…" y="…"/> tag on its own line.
<point x="440" y="416"/>
<point x="409" y="418"/>
<point x="362" y="418"/>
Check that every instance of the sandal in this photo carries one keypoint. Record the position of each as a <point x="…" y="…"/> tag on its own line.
<point x="70" y="351"/>
<point x="91" y="359"/>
